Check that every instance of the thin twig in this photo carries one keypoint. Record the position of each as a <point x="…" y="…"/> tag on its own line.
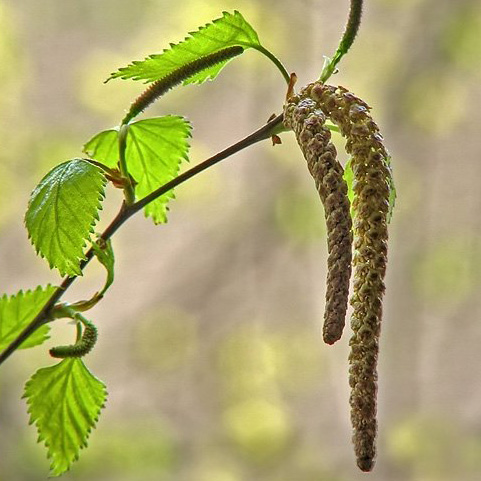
<point x="347" y="39"/>
<point x="263" y="133"/>
<point x="128" y="211"/>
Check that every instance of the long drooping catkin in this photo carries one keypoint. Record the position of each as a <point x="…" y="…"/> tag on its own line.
<point x="306" y="119"/>
<point x="372" y="180"/>
<point x="305" y="114"/>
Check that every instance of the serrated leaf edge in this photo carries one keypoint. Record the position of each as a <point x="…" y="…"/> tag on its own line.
<point x="21" y="295"/>
<point x="225" y="15"/>
<point x="95" y="219"/>
<point x="95" y="419"/>
<point x="187" y="131"/>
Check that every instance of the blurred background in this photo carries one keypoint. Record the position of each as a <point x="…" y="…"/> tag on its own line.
<point x="210" y="339"/>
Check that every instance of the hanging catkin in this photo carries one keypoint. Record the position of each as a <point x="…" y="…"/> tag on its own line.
<point x="307" y="120"/>
<point x="372" y="181"/>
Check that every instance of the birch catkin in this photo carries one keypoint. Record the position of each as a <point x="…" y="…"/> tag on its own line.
<point x="81" y="347"/>
<point x="372" y="181"/>
<point x="163" y="85"/>
<point x="306" y="119"/>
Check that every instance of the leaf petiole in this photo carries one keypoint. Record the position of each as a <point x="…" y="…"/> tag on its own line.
<point x="275" y="60"/>
<point x="129" y="192"/>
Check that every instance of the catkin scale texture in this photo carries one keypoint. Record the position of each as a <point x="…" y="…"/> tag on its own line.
<point x="302" y="114"/>
<point x="372" y="181"/>
<point x="80" y="348"/>
<point x="163" y="85"/>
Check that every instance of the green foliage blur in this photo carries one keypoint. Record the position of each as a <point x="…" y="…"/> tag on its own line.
<point x="210" y="339"/>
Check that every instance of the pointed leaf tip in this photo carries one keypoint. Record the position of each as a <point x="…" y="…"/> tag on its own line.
<point x="229" y="30"/>
<point x="64" y="402"/>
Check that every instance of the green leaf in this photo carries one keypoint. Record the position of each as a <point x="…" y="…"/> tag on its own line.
<point x="64" y="402"/>
<point x="104" y="146"/>
<point x="17" y="311"/>
<point x="227" y="31"/>
<point x="62" y="211"/>
<point x="155" y="149"/>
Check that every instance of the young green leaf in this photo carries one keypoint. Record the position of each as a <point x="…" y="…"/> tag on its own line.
<point x="104" y="147"/>
<point x="62" y="211"/>
<point x="229" y="30"/>
<point x="155" y="149"/>
<point x="64" y="402"/>
<point x="17" y="311"/>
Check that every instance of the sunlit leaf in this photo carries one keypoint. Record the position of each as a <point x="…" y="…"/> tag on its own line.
<point x="62" y="211"/>
<point x="104" y="147"/>
<point x="229" y="30"/>
<point x="64" y="402"/>
<point x="17" y="311"/>
<point x="155" y="149"/>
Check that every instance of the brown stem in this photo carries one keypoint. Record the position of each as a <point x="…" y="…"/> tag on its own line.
<point x="126" y="211"/>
